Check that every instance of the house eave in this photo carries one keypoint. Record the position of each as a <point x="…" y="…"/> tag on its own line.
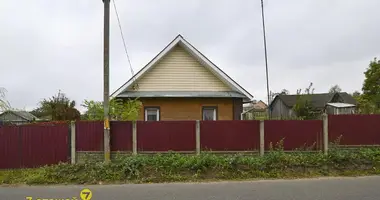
<point x="181" y="94"/>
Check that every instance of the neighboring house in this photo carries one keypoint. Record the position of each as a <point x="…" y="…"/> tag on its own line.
<point x="17" y="117"/>
<point x="336" y="103"/>
<point x="180" y="83"/>
<point x="255" y="110"/>
<point x="257" y="105"/>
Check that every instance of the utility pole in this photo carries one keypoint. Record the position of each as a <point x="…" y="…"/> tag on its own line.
<point x="107" y="149"/>
<point x="266" y="56"/>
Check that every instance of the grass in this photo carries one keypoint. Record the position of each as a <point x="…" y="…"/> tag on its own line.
<point x="181" y="168"/>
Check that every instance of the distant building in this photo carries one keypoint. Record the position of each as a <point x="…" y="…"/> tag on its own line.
<point x="17" y="117"/>
<point x="330" y="103"/>
<point x="255" y="110"/>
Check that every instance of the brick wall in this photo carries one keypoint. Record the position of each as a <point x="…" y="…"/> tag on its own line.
<point x="188" y="108"/>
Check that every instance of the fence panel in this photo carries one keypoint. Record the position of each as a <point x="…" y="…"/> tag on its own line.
<point x="121" y="136"/>
<point x="355" y="129"/>
<point x="297" y="134"/>
<point x="44" y="145"/>
<point x="10" y="156"/>
<point x="89" y="135"/>
<point x="166" y="136"/>
<point x="230" y="135"/>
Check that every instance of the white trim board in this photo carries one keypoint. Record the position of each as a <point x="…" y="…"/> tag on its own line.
<point x="179" y="40"/>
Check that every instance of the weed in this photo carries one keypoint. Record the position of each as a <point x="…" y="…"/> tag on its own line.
<point x="177" y="167"/>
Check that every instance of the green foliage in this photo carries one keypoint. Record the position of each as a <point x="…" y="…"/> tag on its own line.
<point x="303" y="107"/>
<point x="59" y="107"/>
<point x="119" y="109"/>
<point x="38" y="112"/>
<point x="364" y="105"/>
<point x="367" y="106"/>
<point x="371" y="87"/>
<point x="177" y="167"/>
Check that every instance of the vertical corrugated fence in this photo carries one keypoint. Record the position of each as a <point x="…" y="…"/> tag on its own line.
<point x="10" y="154"/>
<point x="166" y="136"/>
<point x="89" y="135"/>
<point x="44" y="145"/>
<point x="355" y="129"/>
<point x="296" y="134"/>
<point x="30" y="146"/>
<point x="121" y="136"/>
<point x="230" y="135"/>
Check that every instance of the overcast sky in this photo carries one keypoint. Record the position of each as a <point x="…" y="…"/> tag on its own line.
<point x="46" y="45"/>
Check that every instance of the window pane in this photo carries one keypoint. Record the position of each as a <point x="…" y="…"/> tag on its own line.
<point x="208" y="114"/>
<point x="152" y="118"/>
<point x="152" y="114"/>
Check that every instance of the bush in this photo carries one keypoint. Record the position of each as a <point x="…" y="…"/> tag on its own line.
<point x="177" y="167"/>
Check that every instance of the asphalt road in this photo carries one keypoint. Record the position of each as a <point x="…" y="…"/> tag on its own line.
<point x="363" y="188"/>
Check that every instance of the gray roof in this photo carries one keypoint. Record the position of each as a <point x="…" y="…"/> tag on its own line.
<point x="23" y="114"/>
<point x="317" y="100"/>
<point x="182" y="94"/>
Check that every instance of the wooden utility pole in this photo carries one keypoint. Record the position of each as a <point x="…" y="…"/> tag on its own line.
<point x="107" y="148"/>
<point x="266" y="56"/>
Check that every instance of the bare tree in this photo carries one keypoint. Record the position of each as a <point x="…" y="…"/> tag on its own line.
<point x="4" y="104"/>
<point x="285" y="91"/>
<point x="335" y="89"/>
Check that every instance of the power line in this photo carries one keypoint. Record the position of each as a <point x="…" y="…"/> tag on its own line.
<point x="122" y="37"/>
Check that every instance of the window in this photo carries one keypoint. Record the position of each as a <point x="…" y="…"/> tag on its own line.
<point x="152" y="114"/>
<point x="209" y="113"/>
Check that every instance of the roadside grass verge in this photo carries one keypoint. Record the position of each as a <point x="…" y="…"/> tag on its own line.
<point x="205" y="167"/>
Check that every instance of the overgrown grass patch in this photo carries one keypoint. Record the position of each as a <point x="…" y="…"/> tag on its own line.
<point x="178" y="167"/>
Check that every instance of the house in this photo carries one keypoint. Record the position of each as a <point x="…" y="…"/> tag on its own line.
<point x="17" y="117"/>
<point x="255" y="110"/>
<point x="257" y="105"/>
<point x="180" y="83"/>
<point x="331" y="103"/>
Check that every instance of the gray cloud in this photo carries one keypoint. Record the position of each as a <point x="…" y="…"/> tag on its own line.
<point x="48" y="46"/>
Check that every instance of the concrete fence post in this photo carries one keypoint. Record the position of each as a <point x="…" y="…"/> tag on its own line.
<point x="262" y="138"/>
<point x="325" y="134"/>
<point x="73" y="143"/>
<point x="134" y="137"/>
<point x="198" y="137"/>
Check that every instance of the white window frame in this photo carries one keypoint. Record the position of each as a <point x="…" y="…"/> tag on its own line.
<point x="209" y="108"/>
<point x="152" y="108"/>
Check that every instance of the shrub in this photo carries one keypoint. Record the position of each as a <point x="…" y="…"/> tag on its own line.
<point x="177" y="167"/>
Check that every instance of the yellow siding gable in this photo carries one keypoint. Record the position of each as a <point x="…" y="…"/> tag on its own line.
<point x="179" y="71"/>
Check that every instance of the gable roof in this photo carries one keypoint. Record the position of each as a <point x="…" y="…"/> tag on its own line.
<point x="23" y="114"/>
<point x="262" y="103"/>
<point x="317" y="100"/>
<point x="179" y="40"/>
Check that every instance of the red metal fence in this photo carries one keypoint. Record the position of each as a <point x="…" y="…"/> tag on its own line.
<point x="354" y="129"/>
<point x="166" y="136"/>
<point x="10" y="153"/>
<point x="296" y="134"/>
<point x="89" y="135"/>
<point x="230" y="135"/>
<point x="30" y="146"/>
<point x="42" y="144"/>
<point x="121" y="136"/>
